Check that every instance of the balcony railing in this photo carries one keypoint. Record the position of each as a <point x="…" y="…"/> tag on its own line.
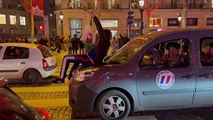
<point x="180" y="6"/>
<point x="176" y="6"/>
<point x="74" y="5"/>
<point x="109" y="6"/>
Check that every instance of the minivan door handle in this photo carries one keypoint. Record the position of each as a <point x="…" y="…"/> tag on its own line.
<point x="187" y="76"/>
<point x="205" y="75"/>
<point x="22" y="62"/>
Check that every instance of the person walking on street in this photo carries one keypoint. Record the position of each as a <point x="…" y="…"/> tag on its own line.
<point x="69" y="44"/>
<point x="81" y="47"/>
<point x="75" y="41"/>
<point x="95" y="54"/>
<point x="57" y="44"/>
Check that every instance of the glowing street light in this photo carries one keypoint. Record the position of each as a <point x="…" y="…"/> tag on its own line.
<point x="61" y="16"/>
<point x="179" y="20"/>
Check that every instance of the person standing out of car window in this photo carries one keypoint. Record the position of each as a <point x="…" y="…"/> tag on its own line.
<point x="95" y="53"/>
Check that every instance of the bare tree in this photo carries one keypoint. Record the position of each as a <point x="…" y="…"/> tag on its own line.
<point x="184" y="14"/>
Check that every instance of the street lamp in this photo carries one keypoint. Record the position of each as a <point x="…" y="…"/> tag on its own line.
<point x="141" y="4"/>
<point x="61" y="16"/>
<point x="179" y="20"/>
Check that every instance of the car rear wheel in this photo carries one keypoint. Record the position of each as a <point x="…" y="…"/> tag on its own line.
<point x="32" y="76"/>
<point x="113" y="105"/>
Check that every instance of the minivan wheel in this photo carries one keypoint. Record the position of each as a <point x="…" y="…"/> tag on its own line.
<point x="113" y="105"/>
<point x="32" y="76"/>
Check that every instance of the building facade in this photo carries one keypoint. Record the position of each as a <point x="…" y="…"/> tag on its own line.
<point x="15" y="21"/>
<point x="114" y="14"/>
<point x="13" y="18"/>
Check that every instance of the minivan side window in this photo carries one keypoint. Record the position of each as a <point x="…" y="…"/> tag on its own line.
<point x="12" y="52"/>
<point x="170" y="54"/>
<point x="206" y="51"/>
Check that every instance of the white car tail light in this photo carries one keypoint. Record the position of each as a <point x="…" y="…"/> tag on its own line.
<point x="45" y="64"/>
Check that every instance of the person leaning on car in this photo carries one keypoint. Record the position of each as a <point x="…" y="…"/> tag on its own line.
<point x="95" y="56"/>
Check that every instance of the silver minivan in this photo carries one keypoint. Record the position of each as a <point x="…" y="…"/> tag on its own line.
<point x="171" y="69"/>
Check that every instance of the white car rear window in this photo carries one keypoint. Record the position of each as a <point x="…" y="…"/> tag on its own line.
<point x="45" y="51"/>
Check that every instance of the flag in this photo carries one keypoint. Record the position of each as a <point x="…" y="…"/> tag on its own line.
<point x="87" y="37"/>
<point x="36" y="7"/>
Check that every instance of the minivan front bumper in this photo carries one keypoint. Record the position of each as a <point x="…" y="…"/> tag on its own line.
<point x="81" y="97"/>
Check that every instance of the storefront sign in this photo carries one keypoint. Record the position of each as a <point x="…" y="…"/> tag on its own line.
<point x="172" y="22"/>
<point x="209" y="21"/>
<point x="192" y="21"/>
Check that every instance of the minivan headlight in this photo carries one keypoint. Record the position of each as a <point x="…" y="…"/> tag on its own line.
<point x="79" y="75"/>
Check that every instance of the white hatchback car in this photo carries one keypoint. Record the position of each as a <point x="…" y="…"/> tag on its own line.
<point x="31" y="62"/>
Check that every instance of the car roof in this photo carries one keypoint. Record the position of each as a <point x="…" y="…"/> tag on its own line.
<point x="162" y="33"/>
<point x="21" y="45"/>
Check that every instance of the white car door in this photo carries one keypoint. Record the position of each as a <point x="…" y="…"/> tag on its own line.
<point x="13" y="61"/>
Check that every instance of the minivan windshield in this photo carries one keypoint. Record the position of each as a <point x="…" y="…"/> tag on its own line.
<point x="128" y="51"/>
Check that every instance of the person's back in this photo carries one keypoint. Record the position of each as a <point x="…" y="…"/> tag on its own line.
<point x="102" y="46"/>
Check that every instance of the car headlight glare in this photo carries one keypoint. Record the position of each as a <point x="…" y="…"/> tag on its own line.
<point x="82" y="75"/>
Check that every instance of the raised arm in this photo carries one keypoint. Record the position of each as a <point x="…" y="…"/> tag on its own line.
<point x="97" y="24"/>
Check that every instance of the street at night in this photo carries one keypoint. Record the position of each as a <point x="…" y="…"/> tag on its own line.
<point x="106" y="59"/>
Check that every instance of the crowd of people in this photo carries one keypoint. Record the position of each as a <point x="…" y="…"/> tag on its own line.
<point x="17" y="39"/>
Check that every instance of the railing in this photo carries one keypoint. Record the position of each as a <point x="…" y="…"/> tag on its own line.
<point x="109" y="6"/>
<point x="74" y="5"/>
<point x="15" y="7"/>
<point x="176" y="6"/>
<point x="180" y="6"/>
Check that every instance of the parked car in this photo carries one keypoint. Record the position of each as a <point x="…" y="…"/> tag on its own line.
<point x="13" y="108"/>
<point x="30" y="62"/>
<point x="169" y="69"/>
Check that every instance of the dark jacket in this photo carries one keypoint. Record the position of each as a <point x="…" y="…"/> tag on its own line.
<point x="102" y="45"/>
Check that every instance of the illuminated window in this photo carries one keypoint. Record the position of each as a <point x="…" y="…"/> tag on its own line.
<point x="57" y="2"/>
<point x="22" y="20"/>
<point x="12" y="19"/>
<point x="76" y="27"/>
<point x="155" y="22"/>
<point x="2" y="19"/>
<point x="1" y="4"/>
<point x="109" y="23"/>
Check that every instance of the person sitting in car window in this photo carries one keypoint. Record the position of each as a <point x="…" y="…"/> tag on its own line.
<point x="207" y="55"/>
<point x="173" y="56"/>
<point x="17" y="53"/>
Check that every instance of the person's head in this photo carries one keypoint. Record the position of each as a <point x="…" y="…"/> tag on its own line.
<point x="108" y="34"/>
<point x="173" y="47"/>
<point x="75" y="35"/>
<point x="17" y="51"/>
